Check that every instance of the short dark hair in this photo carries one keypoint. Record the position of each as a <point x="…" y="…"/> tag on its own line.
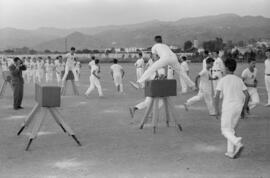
<point x="209" y="60"/>
<point x="206" y="52"/>
<point x="184" y="58"/>
<point x="115" y="61"/>
<point x="140" y="54"/>
<point x="93" y="57"/>
<point x="72" y="48"/>
<point x="231" y="64"/>
<point x="96" y="61"/>
<point x="217" y="52"/>
<point x="16" y="59"/>
<point x="158" y="39"/>
<point x="251" y="60"/>
<point x="268" y="50"/>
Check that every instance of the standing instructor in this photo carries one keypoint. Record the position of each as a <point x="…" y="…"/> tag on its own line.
<point x="17" y="82"/>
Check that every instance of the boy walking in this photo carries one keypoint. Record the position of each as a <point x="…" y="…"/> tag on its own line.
<point x="235" y="98"/>
<point x="94" y="80"/>
<point x="117" y="73"/>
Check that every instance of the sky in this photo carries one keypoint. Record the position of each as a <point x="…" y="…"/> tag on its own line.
<point x="31" y="14"/>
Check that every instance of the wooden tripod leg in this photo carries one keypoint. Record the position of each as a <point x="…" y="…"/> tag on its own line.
<point x="64" y="87"/>
<point x="174" y="114"/>
<point x="147" y="112"/>
<point x="66" y="127"/>
<point x="29" y="118"/>
<point x="36" y="129"/>
<point x="3" y="88"/>
<point x="75" y="89"/>
<point x="56" y="119"/>
<point x="166" y="108"/>
<point x="155" y="114"/>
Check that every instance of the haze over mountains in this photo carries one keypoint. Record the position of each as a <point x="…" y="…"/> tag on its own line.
<point x="227" y="26"/>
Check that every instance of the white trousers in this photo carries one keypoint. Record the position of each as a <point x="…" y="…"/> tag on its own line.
<point x="29" y="75"/>
<point x="94" y="83"/>
<point x="208" y="99"/>
<point x="139" y="73"/>
<point x="267" y="85"/>
<point x="38" y="75"/>
<point x="183" y="84"/>
<point x="146" y="102"/>
<point x="162" y="62"/>
<point x="229" y="119"/>
<point x="67" y="69"/>
<point x="215" y="82"/>
<point x="49" y="77"/>
<point x="118" y="81"/>
<point x="254" y="98"/>
<point x="58" y="77"/>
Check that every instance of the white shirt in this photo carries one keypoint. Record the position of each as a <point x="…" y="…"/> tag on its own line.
<point x="70" y="59"/>
<point x="205" y="83"/>
<point x="49" y="67"/>
<point x="204" y="63"/>
<point x="232" y="88"/>
<point x="91" y="63"/>
<point x="139" y="63"/>
<point x="219" y="65"/>
<point x="117" y="69"/>
<point x="184" y="66"/>
<point x="248" y="76"/>
<point x="4" y="66"/>
<point x="94" y="68"/>
<point x="162" y="50"/>
<point x="267" y="66"/>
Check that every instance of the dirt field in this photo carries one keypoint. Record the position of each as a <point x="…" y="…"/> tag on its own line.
<point x="113" y="146"/>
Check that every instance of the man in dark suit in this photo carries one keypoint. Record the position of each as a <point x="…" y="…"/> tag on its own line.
<point x="17" y="82"/>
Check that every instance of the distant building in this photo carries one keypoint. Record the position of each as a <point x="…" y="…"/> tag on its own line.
<point x="196" y="44"/>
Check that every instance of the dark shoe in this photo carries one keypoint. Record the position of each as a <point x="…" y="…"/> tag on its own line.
<point x="20" y="107"/>
<point x="16" y="108"/>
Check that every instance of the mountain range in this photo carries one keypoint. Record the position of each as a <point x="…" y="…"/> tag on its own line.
<point x="227" y="26"/>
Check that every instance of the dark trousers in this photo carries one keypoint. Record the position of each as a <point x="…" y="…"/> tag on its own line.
<point x="17" y="95"/>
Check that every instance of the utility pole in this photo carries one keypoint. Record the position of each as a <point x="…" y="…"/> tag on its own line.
<point x="65" y="45"/>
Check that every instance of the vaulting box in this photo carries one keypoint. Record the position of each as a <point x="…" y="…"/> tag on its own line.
<point x="48" y="96"/>
<point x="160" y="88"/>
<point x="70" y="75"/>
<point x="6" y="75"/>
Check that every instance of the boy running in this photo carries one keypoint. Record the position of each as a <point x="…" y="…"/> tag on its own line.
<point x="117" y="73"/>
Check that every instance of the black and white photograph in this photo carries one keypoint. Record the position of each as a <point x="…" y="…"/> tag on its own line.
<point x="134" y="89"/>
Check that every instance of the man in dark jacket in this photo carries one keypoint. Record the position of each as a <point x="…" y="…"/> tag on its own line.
<point x="17" y="82"/>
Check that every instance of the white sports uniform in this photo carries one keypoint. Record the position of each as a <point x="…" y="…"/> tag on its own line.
<point x="218" y="70"/>
<point x="205" y="92"/>
<point x="28" y="71"/>
<point x="204" y="63"/>
<point x="139" y="68"/>
<point x="117" y="75"/>
<point x="166" y="57"/>
<point x="32" y="71"/>
<point x="185" y="69"/>
<point x="78" y="68"/>
<point x="267" y="78"/>
<point x="70" y="66"/>
<point x="39" y="74"/>
<point x="232" y="88"/>
<point x="49" y="71"/>
<point x="94" y="81"/>
<point x="35" y="71"/>
<point x="249" y="78"/>
<point x="58" y="69"/>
